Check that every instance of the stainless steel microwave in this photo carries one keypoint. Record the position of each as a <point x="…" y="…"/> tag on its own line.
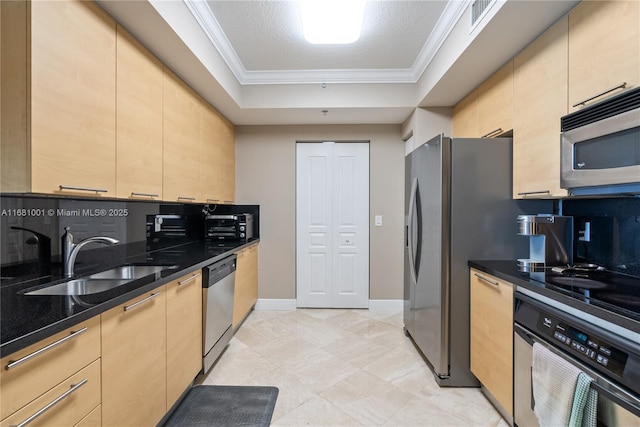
<point x="600" y="147"/>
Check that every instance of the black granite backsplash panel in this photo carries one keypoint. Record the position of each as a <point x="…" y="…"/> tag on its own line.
<point x="614" y="239"/>
<point x="47" y="216"/>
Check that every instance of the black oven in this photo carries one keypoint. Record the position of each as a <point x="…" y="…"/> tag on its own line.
<point x="229" y="227"/>
<point x="583" y="341"/>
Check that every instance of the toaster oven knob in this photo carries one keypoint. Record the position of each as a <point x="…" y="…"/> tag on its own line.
<point x="242" y="235"/>
<point x="242" y="228"/>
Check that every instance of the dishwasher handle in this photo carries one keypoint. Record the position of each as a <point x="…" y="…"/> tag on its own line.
<point x="218" y="271"/>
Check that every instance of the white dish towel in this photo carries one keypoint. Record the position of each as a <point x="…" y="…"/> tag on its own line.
<point x="554" y="383"/>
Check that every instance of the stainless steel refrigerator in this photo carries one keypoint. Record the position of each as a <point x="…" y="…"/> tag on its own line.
<point x="458" y="206"/>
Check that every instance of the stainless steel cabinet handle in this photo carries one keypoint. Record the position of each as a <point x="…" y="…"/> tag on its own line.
<point x="492" y="133"/>
<point x="72" y="334"/>
<point x="484" y="279"/>
<point x="94" y="190"/>
<point x="53" y="403"/>
<point x="620" y="86"/>
<point x="213" y="200"/>
<point x="190" y="279"/>
<point x="529" y="193"/>
<point x="229" y="201"/>
<point x="186" y="198"/>
<point x="142" y="301"/>
<point x="134" y="194"/>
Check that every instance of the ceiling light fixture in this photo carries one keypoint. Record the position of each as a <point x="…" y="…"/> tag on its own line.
<point x="332" y="21"/>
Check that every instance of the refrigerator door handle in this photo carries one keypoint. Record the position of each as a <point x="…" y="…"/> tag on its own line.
<point x="412" y="205"/>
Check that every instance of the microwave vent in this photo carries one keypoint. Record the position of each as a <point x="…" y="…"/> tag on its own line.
<point x="626" y="101"/>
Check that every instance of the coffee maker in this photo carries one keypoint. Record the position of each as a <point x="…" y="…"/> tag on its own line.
<point x="550" y="241"/>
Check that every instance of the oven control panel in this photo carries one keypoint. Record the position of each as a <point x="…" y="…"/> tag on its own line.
<point x="575" y="341"/>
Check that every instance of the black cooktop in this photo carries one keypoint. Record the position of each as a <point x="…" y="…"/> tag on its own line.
<point x="609" y="290"/>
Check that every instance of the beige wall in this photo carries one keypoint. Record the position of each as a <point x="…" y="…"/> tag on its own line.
<point x="265" y="175"/>
<point x="425" y="123"/>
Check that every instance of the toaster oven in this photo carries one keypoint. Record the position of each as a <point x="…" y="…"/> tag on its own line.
<point x="229" y="227"/>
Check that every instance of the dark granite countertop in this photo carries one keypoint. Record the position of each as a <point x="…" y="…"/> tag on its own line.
<point x="508" y="271"/>
<point x="27" y="319"/>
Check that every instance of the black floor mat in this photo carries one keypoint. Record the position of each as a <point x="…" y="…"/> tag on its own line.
<point x="229" y="406"/>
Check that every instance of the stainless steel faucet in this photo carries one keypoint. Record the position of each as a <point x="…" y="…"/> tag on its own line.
<point x="70" y="250"/>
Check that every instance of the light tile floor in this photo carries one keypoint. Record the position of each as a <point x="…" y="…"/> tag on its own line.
<point x="344" y="368"/>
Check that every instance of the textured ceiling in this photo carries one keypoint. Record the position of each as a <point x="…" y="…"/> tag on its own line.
<point x="267" y="36"/>
<point x="248" y="58"/>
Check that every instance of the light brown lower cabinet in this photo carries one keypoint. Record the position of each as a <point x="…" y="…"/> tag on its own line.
<point x="134" y="364"/>
<point x="78" y="396"/>
<point x="94" y="419"/>
<point x="184" y="334"/>
<point x="246" y="287"/>
<point x="491" y="325"/>
<point x="27" y="375"/>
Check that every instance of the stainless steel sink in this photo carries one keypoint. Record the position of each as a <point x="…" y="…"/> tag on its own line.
<point x="130" y="272"/>
<point x="84" y="286"/>
<point x="101" y="282"/>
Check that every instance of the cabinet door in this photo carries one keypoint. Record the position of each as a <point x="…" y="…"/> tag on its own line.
<point x="182" y="135"/>
<point x="491" y="318"/>
<point x="218" y="167"/>
<point x="139" y="124"/>
<point x="495" y="103"/>
<point x="465" y="117"/>
<point x="73" y="98"/>
<point x="134" y="361"/>
<point x="184" y="334"/>
<point x="227" y="160"/>
<point x="604" y="47"/>
<point x="72" y="400"/>
<point x="246" y="287"/>
<point x="540" y="93"/>
<point x="69" y="351"/>
<point x="211" y="156"/>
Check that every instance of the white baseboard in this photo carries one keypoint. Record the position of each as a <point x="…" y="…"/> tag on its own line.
<point x="290" y="304"/>
<point x="386" y="304"/>
<point x="275" y="304"/>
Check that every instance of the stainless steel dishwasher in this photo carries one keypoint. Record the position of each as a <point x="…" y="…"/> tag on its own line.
<point x="217" y="308"/>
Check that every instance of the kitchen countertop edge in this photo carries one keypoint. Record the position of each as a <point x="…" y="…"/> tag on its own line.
<point x="507" y="270"/>
<point x="24" y="341"/>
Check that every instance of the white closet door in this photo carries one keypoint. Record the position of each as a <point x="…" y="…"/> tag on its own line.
<point x="332" y="225"/>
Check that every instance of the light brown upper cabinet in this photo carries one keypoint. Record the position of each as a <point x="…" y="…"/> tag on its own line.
<point x="59" y="97"/>
<point x="495" y="103"/>
<point x="465" y="116"/>
<point x="488" y="110"/>
<point x="182" y="137"/>
<point x="218" y="157"/>
<point x="139" y="120"/>
<point x="540" y="94"/>
<point x="604" y="49"/>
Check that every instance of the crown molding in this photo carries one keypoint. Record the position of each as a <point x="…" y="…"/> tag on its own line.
<point x="211" y="27"/>
<point x="451" y="14"/>
<point x="329" y="76"/>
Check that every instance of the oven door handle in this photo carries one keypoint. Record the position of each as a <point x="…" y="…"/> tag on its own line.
<point x="630" y="406"/>
<point x="524" y="334"/>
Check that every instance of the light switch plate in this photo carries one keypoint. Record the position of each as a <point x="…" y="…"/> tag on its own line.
<point x="378" y="220"/>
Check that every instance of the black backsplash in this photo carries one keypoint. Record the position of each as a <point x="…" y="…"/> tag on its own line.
<point x="121" y="219"/>
<point x="614" y="232"/>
